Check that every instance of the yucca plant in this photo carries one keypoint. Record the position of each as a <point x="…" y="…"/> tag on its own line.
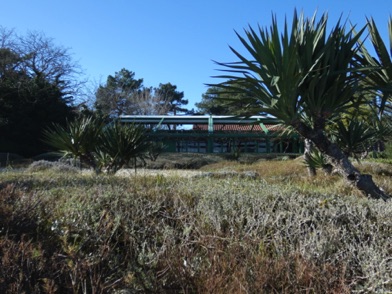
<point x="316" y="159"/>
<point x="97" y="145"/>
<point x="78" y="139"/>
<point x="119" y="144"/>
<point x="379" y="80"/>
<point x="355" y="137"/>
<point x="306" y="78"/>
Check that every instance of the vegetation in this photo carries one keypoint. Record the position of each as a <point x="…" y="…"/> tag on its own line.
<point x="39" y="84"/>
<point x="37" y="87"/>
<point x="174" y="99"/>
<point x="222" y="102"/>
<point x="69" y="232"/>
<point x="100" y="146"/>
<point x="240" y="226"/>
<point x="123" y="94"/>
<point x="309" y="79"/>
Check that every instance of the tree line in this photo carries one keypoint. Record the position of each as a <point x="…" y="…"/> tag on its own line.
<point x="124" y="94"/>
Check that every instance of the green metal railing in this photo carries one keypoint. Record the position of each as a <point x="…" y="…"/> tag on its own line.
<point x="176" y="139"/>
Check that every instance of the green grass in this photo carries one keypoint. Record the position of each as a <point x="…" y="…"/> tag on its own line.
<point x="67" y="231"/>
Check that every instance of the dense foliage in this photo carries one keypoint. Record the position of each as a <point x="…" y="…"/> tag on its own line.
<point x="222" y="102"/>
<point x="37" y="86"/>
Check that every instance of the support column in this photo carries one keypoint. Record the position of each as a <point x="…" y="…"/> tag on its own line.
<point x="210" y="140"/>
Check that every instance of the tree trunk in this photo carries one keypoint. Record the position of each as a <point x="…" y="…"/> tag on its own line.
<point x="341" y="163"/>
<point x="308" y="149"/>
<point x="363" y="182"/>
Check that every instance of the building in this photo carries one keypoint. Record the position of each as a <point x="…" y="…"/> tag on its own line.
<point x="217" y="134"/>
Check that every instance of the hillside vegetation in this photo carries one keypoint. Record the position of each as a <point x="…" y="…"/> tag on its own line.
<point x="63" y="230"/>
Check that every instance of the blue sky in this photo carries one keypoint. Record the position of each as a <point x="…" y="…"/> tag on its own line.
<point x="165" y="40"/>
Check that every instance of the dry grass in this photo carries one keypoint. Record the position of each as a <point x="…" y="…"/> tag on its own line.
<point x="173" y="232"/>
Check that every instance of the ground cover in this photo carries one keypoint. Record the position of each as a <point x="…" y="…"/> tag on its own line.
<point x="211" y="231"/>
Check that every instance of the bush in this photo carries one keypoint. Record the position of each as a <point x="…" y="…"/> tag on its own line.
<point x="87" y="233"/>
<point x="43" y="165"/>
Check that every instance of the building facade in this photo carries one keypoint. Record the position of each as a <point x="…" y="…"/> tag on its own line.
<point x="217" y="134"/>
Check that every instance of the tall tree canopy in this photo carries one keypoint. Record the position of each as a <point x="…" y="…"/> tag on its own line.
<point x="174" y="99"/>
<point x="115" y="97"/>
<point x="307" y="78"/>
<point x="124" y="94"/>
<point x="220" y="101"/>
<point x="38" y="82"/>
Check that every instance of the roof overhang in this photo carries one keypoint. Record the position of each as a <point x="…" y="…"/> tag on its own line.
<point x="196" y="119"/>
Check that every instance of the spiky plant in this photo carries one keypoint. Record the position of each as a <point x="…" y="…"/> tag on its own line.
<point x="306" y="78"/>
<point x="355" y="137"/>
<point x="97" y="145"/>
<point x="77" y="139"/>
<point x="119" y="144"/>
<point x="315" y="159"/>
<point x="379" y="80"/>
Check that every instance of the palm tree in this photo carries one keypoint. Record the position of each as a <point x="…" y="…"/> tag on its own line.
<point x="307" y="79"/>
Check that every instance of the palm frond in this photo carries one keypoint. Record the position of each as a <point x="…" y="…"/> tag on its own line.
<point x="122" y="143"/>
<point x="301" y="72"/>
<point x="379" y="76"/>
<point x="316" y="159"/>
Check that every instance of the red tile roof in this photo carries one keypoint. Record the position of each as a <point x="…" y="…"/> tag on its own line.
<point x="236" y="128"/>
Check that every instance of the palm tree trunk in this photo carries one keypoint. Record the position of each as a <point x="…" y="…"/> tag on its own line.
<point x="341" y="163"/>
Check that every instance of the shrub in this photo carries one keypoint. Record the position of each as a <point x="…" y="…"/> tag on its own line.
<point x="99" y="234"/>
<point x="99" y="146"/>
<point x="43" y="165"/>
